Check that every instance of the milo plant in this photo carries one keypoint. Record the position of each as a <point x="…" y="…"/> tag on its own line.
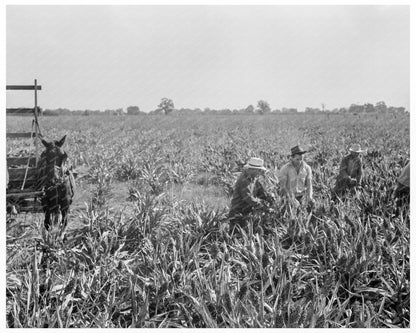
<point x="165" y="261"/>
<point x="154" y="175"/>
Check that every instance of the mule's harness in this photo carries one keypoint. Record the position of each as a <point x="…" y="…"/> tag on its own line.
<point x="63" y="177"/>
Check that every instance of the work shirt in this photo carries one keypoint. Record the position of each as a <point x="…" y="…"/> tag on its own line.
<point x="295" y="182"/>
<point x="248" y="194"/>
<point x="351" y="166"/>
<point x="404" y="177"/>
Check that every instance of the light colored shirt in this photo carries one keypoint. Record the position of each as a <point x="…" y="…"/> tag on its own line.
<point x="404" y="177"/>
<point x="294" y="182"/>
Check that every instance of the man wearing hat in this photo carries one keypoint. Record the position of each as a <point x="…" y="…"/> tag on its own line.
<point x="295" y="178"/>
<point x="350" y="171"/>
<point x="248" y="194"/>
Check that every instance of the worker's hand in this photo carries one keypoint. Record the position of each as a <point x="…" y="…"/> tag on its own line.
<point x="270" y="210"/>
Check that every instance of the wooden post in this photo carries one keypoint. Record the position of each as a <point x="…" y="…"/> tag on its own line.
<point x="36" y="122"/>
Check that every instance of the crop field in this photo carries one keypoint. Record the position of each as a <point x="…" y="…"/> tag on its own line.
<point x="147" y="242"/>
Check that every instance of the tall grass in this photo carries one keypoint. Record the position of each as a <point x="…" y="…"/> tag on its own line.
<point x="172" y="263"/>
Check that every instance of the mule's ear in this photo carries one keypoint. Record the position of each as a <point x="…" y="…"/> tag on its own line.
<point x="61" y="142"/>
<point x="46" y="143"/>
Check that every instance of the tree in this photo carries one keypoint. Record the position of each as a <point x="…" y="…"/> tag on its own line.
<point x="312" y="110"/>
<point x="249" y="109"/>
<point x="289" y="110"/>
<point x="166" y="105"/>
<point x="368" y="107"/>
<point x="355" y="108"/>
<point x="133" y="110"/>
<point x="381" y="107"/>
<point x="263" y="107"/>
<point x="400" y="109"/>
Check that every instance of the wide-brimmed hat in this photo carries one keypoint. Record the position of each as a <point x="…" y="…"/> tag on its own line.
<point x="356" y="148"/>
<point x="255" y="163"/>
<point x="297" y="150"/>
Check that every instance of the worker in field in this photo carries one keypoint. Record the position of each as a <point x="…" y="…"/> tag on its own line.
<point x="295" y="179"/>
<point x="402" y="191"/>
<point x="249" y="194"/>
<point x="350" y="172"/>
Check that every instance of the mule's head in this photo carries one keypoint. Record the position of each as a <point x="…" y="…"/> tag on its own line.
<point x="54" y="155"/>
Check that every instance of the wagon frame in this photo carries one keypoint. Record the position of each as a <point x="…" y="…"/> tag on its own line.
<point x="21" y="192"/>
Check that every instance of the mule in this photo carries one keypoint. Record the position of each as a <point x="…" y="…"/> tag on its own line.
<point x="57" y="183"/>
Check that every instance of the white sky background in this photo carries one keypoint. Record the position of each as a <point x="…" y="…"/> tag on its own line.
<point x="109" y="57"/>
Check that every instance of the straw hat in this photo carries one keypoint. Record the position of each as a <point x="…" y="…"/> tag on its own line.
<point x="255" y="163"/>
<point x="356" y="148"/>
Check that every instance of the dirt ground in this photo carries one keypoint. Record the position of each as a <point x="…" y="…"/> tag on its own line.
<point x="117" y="203"/>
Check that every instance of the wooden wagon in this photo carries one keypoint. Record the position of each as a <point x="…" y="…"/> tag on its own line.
<point x="21" y="192"/>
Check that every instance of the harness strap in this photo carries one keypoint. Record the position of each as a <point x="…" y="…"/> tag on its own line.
<point x="61" y="180"/>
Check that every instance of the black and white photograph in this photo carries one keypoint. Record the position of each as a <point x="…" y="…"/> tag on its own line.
<point x="225" y="165"/>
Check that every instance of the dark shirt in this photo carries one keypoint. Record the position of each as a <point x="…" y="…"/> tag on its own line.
<point x="248" y="194"/>
<point x="351" y="166"/>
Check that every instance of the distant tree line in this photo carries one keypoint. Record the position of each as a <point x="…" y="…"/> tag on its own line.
<point x="166" y="107"/>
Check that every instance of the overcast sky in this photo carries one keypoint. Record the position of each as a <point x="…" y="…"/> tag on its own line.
<point x="109" y="57"/>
